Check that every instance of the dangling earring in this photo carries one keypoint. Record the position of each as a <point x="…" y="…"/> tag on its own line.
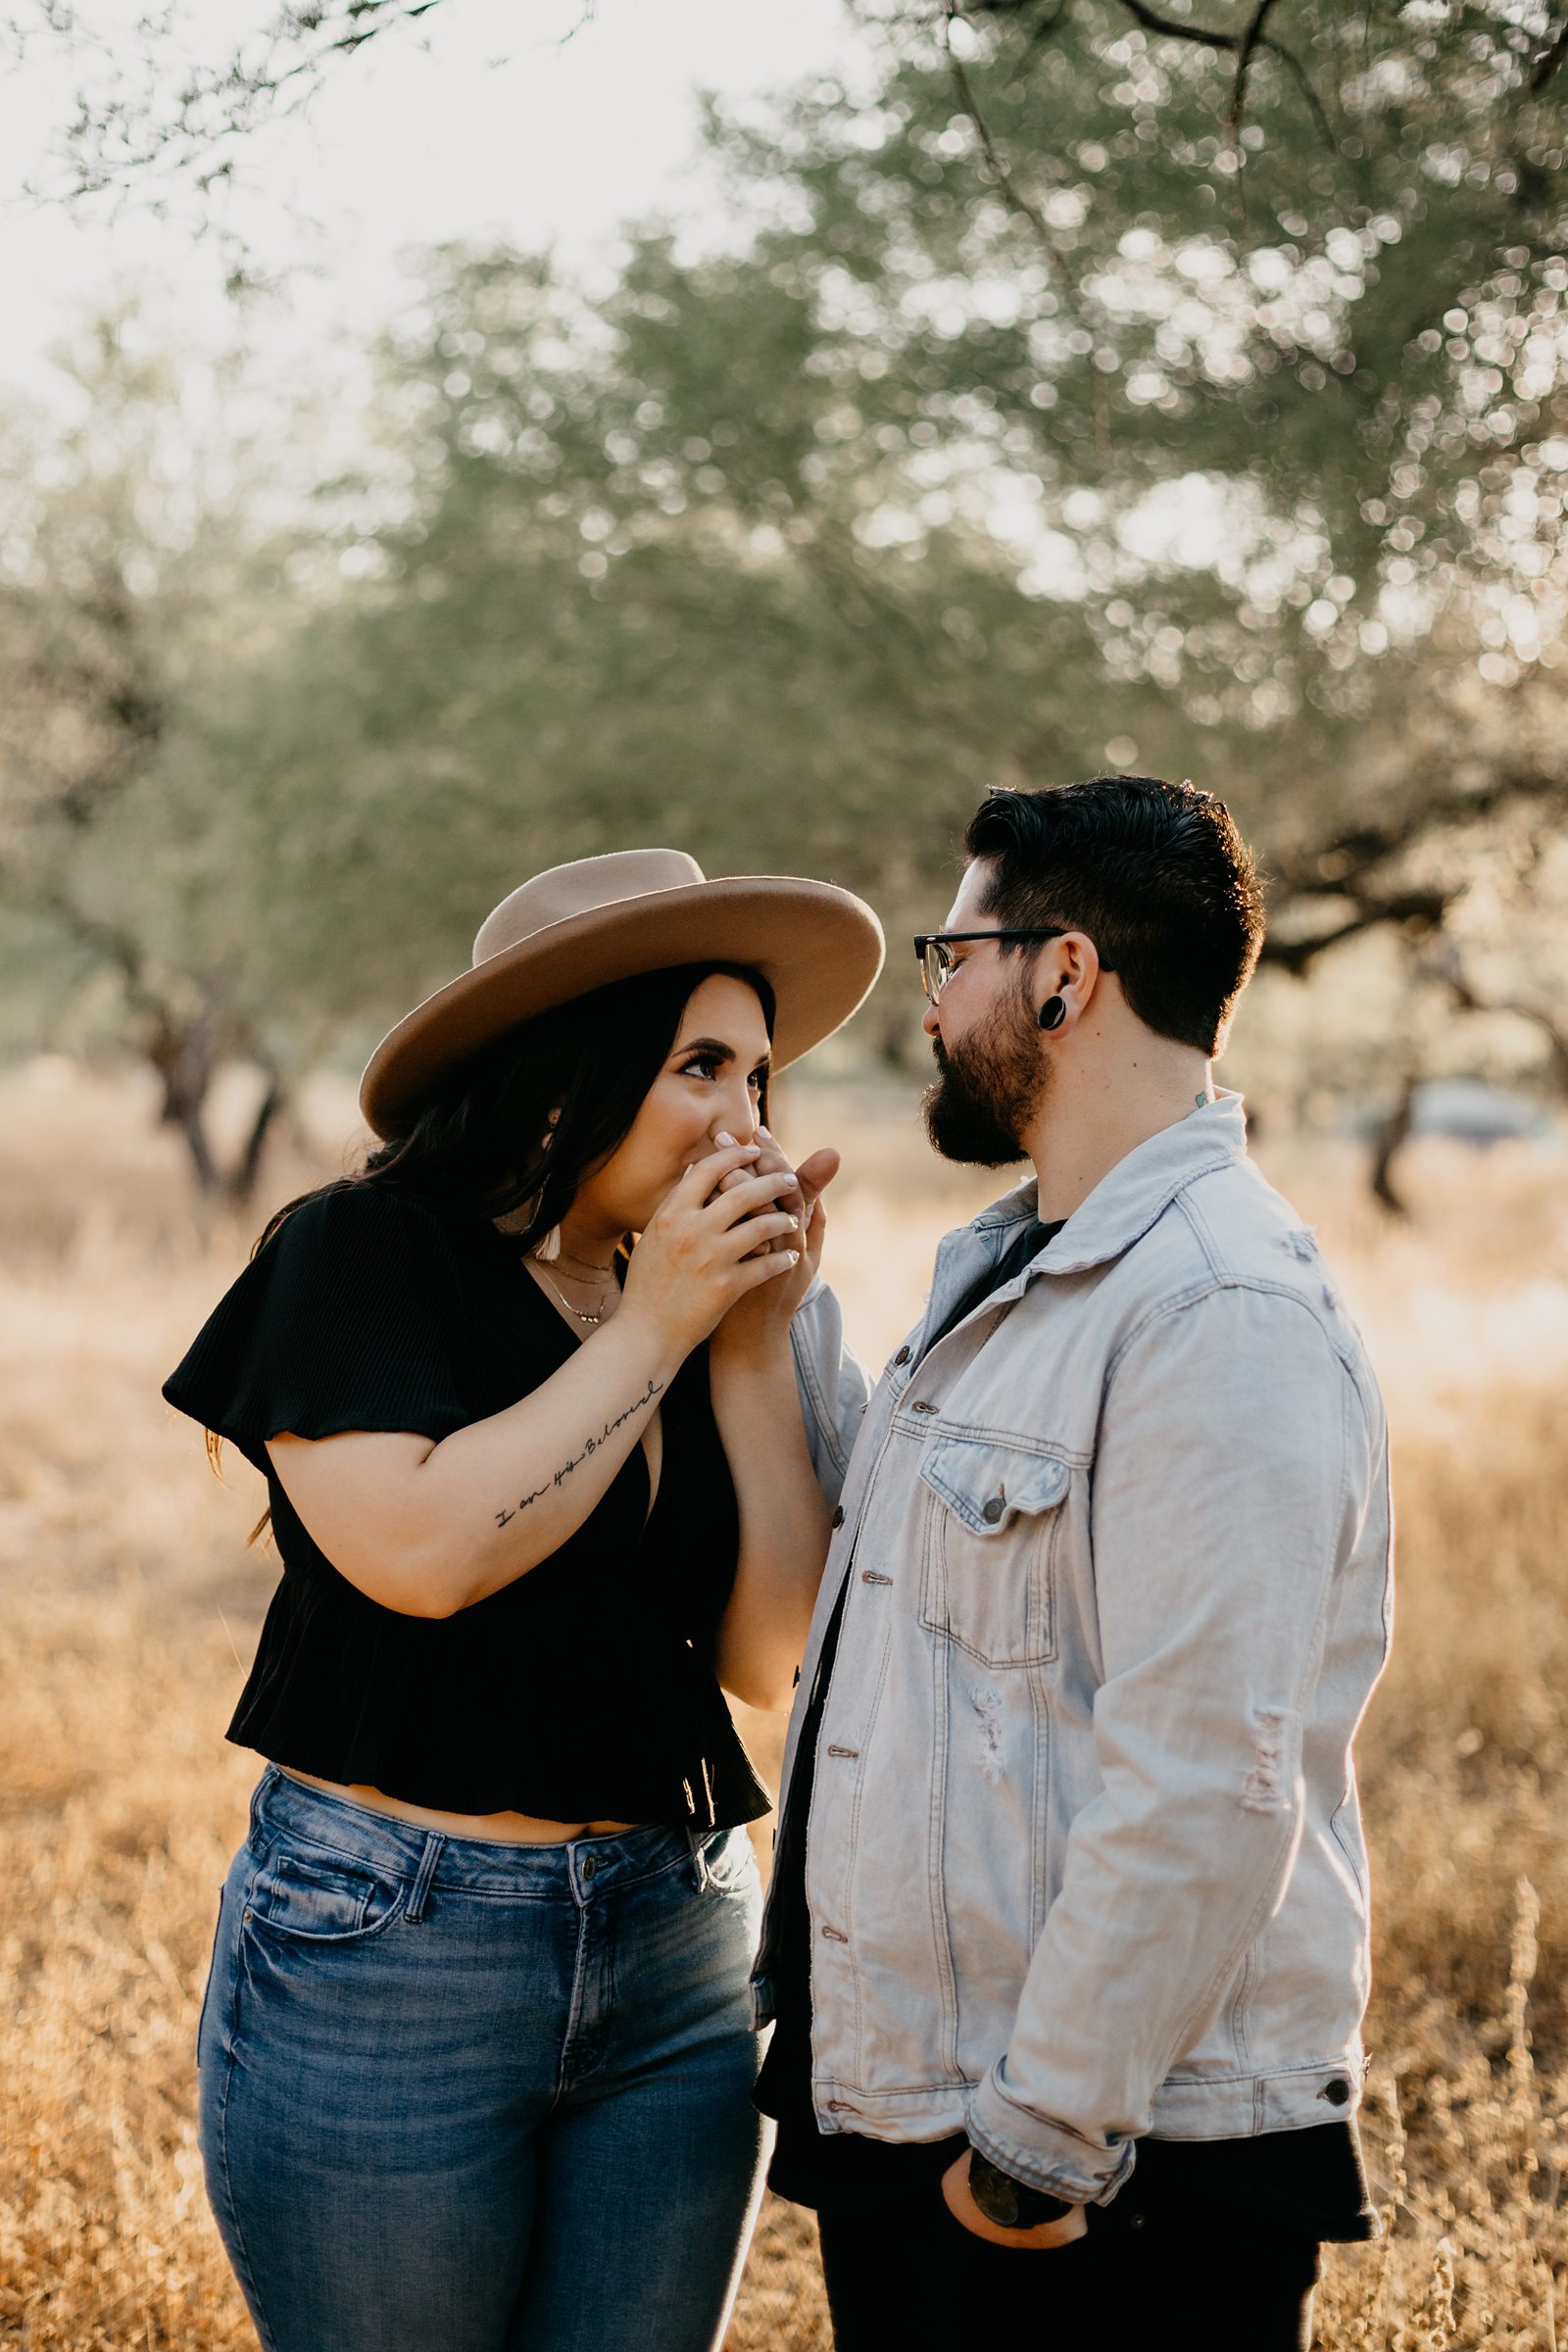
<point x="549" y="1249"/>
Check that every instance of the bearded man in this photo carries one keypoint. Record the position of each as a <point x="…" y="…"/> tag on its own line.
<point x="1067" y="1940"/>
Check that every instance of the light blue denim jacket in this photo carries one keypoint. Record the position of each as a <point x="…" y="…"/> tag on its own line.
<point x="1084" y="1854"/>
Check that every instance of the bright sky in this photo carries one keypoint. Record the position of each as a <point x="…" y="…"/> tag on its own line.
<point x="504" y="120"/>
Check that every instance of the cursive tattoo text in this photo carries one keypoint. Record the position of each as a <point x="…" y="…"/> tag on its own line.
<point x="655" y="1387"/>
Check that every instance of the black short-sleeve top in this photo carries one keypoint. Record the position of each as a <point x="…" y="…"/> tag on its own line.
<point x="584" y="1690"/>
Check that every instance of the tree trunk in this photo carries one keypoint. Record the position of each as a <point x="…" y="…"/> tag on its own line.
<point x="182" y="1057"/>
<point x="240" y="1183"/>
<point x="186" y="1061"/>
<point x="1387" y="1139"/>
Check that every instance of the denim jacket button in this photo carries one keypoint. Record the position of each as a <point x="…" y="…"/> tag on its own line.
<point x="838" y="1515"/>
<point x="993" y="1510"/>
<point x="1336" y="2092"/>
<point x="918" y="1404"/>
<point x="904" y="1355"/>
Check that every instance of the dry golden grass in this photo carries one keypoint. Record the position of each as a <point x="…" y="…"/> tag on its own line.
<point x="128" y="1600"/>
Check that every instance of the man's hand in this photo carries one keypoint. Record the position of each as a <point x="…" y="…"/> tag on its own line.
<point x="962" y="2207"/>
<point x="809" y="1182"/>
<point x="757" y="1334"/>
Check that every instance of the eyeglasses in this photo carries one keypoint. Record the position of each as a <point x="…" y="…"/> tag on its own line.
<point x="933" y="952"/>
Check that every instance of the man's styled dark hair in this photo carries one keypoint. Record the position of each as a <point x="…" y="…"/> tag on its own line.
<point x="1155" y="873"/>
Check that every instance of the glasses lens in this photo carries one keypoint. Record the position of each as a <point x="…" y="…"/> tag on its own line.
<point x="938" y="964"/>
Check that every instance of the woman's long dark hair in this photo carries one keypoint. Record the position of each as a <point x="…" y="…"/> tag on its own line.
<point x="483" y="1140"/>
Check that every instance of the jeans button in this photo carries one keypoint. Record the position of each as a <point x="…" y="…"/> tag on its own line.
<point x="589" y="1866"/>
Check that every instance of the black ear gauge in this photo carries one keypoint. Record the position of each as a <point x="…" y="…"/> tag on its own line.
<point x="1053" y="1013"/>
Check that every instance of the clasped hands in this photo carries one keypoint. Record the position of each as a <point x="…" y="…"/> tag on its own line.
<point x="766" y="1311"/>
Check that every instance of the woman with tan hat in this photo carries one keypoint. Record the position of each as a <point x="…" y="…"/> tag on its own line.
<point x="552" y="1410"/>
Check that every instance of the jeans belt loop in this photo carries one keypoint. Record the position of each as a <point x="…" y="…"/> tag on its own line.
<point x="434" y="1846"/>
<point x="694" y="1841"/>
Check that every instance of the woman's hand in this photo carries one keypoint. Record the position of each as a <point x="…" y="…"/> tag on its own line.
<point x="430" y="1528"/>
<point x="757" y="1404"/>
<point x="699" y="1255"/>
<point x="760" y="1320"/>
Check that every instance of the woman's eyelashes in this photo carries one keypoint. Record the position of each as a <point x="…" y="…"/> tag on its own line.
<point x="707" y="1066"/>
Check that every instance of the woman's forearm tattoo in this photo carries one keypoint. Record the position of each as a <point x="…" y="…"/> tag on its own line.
<point x="591" y="1446"/>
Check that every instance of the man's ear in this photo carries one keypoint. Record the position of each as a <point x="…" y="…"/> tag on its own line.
<point x="1066" y="978"/>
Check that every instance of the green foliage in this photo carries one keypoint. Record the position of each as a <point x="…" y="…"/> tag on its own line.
<point x="1042" y="412"/>
<point x="1321" y="363"/>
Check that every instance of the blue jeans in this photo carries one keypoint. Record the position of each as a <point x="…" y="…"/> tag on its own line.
<point x="465" y="2097"/>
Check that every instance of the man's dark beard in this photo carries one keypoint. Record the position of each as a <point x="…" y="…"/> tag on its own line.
<point x="985" y="1094"/>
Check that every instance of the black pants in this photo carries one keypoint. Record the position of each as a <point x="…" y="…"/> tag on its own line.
<point x="1144" y="2275"/>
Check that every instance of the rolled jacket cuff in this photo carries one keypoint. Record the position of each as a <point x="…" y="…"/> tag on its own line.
<point x="1045" y="2154"/>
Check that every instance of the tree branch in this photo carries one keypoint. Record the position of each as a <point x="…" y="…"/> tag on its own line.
<point x="1426" y="907"/>
<point x="1246" y="49"/>
<point x="182" y="1046"/>
<point x="1447" y="965"/>
<point x="1017" y="202"/>
<point x="1336" y="868"/>
<point x="1006" y="188"/>
<point x="227" y="102"/>
<point x="1544" y="67"/>
<point x="1172" y="30"/>
<point x="1243" y="45"/>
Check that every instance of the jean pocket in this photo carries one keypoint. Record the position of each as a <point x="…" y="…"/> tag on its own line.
<point x="322" y="1898"/>
<point x="991" y="1526"/>
<point x="729" y="1864"/>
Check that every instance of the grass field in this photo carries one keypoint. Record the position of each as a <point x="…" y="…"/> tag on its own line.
<point x="127" y="1604"/>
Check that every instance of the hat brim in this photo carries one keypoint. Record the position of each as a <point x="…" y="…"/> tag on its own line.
<point x="821" y="948"/>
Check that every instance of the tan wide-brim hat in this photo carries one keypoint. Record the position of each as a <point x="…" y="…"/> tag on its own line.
<point x="577" y="927"/>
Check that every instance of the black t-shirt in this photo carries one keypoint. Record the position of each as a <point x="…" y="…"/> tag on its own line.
<point x="583" y="1691"/>
<point x="1312" y="2181"/>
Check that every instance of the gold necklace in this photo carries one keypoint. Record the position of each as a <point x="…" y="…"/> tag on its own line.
<point x="592" y="1320"/>
<point x="586" y="1263"/>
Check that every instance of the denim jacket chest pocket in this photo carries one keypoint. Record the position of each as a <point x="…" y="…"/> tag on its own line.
<point x="991" y="1524"/>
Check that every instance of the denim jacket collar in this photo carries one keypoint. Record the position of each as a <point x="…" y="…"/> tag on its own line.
<point x="1123" y="1206"/>
<point x="1126" y="1201"/>
<point x="1140" y="1187"/>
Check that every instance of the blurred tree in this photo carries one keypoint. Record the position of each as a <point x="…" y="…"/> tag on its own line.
<point x="650" y="580"/>
<point x="1279" y="441"/>
<point x="154" y="106"/>
<point x="1273" y="361"/>
<point x="123" y="589"/>
<point x="1047" y="411"/>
